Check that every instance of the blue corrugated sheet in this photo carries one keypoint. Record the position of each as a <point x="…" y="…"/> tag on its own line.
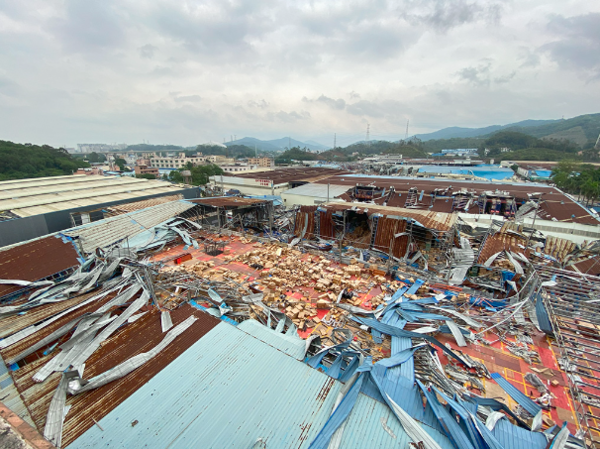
<point x="226" y="391"/>
<point x="514" y="437"/>
<point x="521" y="399"/>
<point x="293" y="346"/>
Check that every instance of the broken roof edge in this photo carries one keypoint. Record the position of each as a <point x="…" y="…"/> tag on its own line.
<point x="63" y="233"/>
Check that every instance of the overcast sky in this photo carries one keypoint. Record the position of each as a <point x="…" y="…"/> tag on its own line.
<point x="188" y="72"/>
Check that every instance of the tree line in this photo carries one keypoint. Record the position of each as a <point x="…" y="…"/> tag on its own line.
<point x="19" y="161"/>
<point x="578" y="179"/>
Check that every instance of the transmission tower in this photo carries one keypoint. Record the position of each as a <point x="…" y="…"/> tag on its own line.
<point x="334" y="136"/>
<point x="368" y="140"/>
<point x="406" y="135"/>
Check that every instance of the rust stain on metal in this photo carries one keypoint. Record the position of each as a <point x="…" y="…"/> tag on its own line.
<point x="432" y="220"/>
<point x="134" y="338"/>
<point x="231" y="201"/>
<point x="138" y="205"/>
<point x="15" y="323"/>
<point x="285" y="175"/>
<point x="35" y="260"/>
<point x="46" y="312"/>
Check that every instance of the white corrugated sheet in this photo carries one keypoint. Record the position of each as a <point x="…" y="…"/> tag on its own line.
<point x="100" y="234"/>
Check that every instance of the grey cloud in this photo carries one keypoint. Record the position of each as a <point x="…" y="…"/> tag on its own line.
<point x="446" y="14"/>
<point x="529" y="57"/>
<point x="478" y="76"/>
<point x="188" y="98"/>
<point x="89" y="26"/>
<point x="577" y="46"/>
<point x="262" y="104"/>
<point x="147" y="51"/>
<point x="335" y="104"/>
<point x="504" y="78"/>
<point x="9" y="87"/>
<point x="366" y="108"/>
<point x="288" y="117"/>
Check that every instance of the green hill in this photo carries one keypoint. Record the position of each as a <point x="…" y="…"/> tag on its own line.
<point x="32" y="161"/>
<point x="582" y="130"/>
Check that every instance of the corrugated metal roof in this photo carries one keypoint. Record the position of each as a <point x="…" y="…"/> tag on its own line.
<point x="555" y="203"/>
<point x="226" y="391"/>
<point x="366" y="428"/>
<point x="228" y="201"/>
<point x="101" y="233"/>
<point x="283" y="175"/>
<point x="132" y="339"/>
<point x="290" y="345"/>
<point x="430" y="219"/>
<point x="317" y="190"/>
<point x="32" y="197"/>
<point x="35" y="260"/>
<point x="138" y="205"/>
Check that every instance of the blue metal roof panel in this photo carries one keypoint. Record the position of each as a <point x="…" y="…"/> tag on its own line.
<point x="226" y="391"/>
<point x="293" y="346"/>
<point x="514" y="437"/>
<point x="366" y="427"/>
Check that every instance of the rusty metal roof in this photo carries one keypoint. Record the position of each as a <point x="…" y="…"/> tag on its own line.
<point x="138" y="205"/>
<point x="430" y="219"/>
<point x="228" y="201"/>
<point x="295" y="174"/>
<point x="555" y="204"/>
<point x="130" y="340"/>
<point x="227" y="390"/>
<point x="36" y="260"/>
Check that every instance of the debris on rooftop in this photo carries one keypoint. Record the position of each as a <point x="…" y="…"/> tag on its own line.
<point x="465" y="337"/>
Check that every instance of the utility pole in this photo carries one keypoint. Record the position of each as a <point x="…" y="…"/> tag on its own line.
<point x="368" y="133"/>
<point x="597" y="146"/>
<point x="334" y="138"/>
<point x="406" y="135"/>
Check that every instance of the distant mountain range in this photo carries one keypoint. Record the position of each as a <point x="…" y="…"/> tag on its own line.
<point x="455" y="131"/>
<point x="277" y="144"/>
<point x="580" y="130"/>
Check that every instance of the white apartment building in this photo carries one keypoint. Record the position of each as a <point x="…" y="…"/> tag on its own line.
<point x="179" y="161"/>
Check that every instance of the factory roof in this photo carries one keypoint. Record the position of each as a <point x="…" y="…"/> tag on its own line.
<point x="555" y="204"/>
<point x="317" y="190"/>
<point x="430" y="219"/>
<point x="26" y="197"/>
<point x="36" y="260"/>
<point x="296" y="174"/>
<point x="228" y="201"/>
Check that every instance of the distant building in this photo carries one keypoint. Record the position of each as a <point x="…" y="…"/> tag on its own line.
<point x="145" y="170"/>
<point x="89" y="171"/>
<point x="99" y="147"/>
<point x="261" y="161"/>
<point x="460" y="152"/>
<point x="219" y="160"/>
<point x="179" y="161"/>
<point x="239" y="168"/>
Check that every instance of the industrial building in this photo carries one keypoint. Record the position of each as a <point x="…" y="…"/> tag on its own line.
<point x="34" y="207"/>
<point x="272" y="182"/>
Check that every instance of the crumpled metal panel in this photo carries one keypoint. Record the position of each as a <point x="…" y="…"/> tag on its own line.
<point x="102" y="233"/>
<point x="207" y="393"/>
<point x="129" y="340"/>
